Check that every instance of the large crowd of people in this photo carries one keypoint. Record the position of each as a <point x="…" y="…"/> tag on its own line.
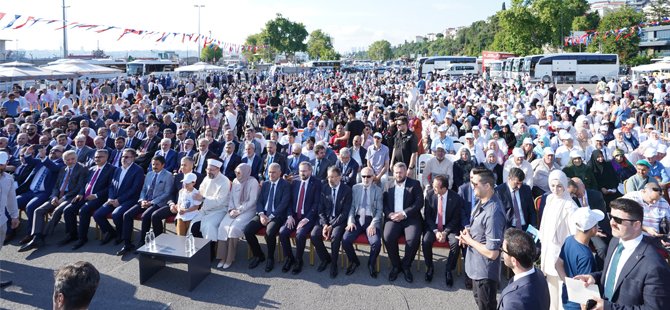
<point x="509" y="173"/>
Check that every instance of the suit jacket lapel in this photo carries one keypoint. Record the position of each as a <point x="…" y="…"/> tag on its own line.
<point x="632" y="261"/>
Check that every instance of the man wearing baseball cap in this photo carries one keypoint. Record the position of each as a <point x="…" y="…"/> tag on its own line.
<point x="7" y="204"/>
<point x="576" y="257"/>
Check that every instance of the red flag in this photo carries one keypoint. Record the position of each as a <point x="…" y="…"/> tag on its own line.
<point x="2" y="15"/>
<point x="26" y="22"/>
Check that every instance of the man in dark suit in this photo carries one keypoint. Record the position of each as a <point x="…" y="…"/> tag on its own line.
<point x="635" y="275"/>
<point x="69" y="183"/>
<point x="186" y="150"/>
<point x="348" y="167"/>
<point x="333" y="216"/>
<point x="517" y="199"/>
<point x="358" y="152"/>
<point x="83" y="152"/>
<point x="442" y="215"/>
<point x="402" y="211"/>
<point x="528" y="289"/>
<point x="230" y="161"/>
<point x="303" y="215"/>
<point x="124" y="192"/>
<point x="200" y="158"/>
<point x="154" y="196"/>
<point x="272" y="156"/>
<point x="148" y="148"/>
<point x="132" y="141"/>
<point x="90" y="198"/>
<point x="24" y="171"/>
<point x="365" y="217"/>
<point x="320" y="163"/>
<point x="293" y="163"/>
<point x="272" y="207"/>
<point x="116" y="153"/>
<point x="252" y="159"/>
<point x="594" y="200"/>
<point x="170" y="155"/>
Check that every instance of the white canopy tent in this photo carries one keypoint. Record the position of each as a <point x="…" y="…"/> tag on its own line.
<point x="662" y="67"/>
<point x="83" y="69"/>
<point x="20" y="71"/>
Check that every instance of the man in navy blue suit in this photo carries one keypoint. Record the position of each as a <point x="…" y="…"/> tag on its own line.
<point x="635" y="275"/>
<point x="252" y="159"/>
<point x="123" y="194"/>
<point x="90" y="198"/>
<point x="333" y="216"/>
<point x="230" y="161"/>
<point x="272" y="156"/>
<point x="116" y="154"/>
<point x="271" y="211"/>
<point x="303" y="214"/>
<point x="170" y="155"/>
<point x="321" y="163"/>
<point x="528" y="288"/>
<point x="517" y="199"/>
<point x="402" y="212"/>
<point x="348" y="167"/>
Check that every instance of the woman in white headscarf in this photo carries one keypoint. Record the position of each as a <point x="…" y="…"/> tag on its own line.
<point x="554" y="229"/>
<point x="241" y="209"/>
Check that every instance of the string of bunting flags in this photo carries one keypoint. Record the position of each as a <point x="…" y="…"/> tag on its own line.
<point x="622" y="33"/>
<point x="18" y="21"/>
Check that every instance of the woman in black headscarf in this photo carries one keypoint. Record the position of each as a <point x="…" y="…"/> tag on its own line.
<point x="462" y="167"/>
<point x="507" y="134"/>
<point x="605" y="175"/>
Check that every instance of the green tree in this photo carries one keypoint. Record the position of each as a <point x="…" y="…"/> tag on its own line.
<point x="626" y="43"/>
<point x="258" y="39"/>
<point x="657" y="9"/>
<point x="558" y="16"/>
<point x="211" y="54"/>
<point x="588" y="21"/>
<point x="320" y="46"/>
<point x="380" y="50"/>
<point x="285" y="36"/>
<point x="520" y="31"/>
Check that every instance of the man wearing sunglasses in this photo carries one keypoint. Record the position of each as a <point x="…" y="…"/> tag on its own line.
<point x="635" y="274"/>
<point x="655" y="208"/>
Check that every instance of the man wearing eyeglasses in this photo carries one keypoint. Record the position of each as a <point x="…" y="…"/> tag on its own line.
<point x="635" y="274"/>
<point x="655" y="207"/>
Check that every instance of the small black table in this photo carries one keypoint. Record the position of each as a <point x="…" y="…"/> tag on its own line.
<point x="172" y="248"/>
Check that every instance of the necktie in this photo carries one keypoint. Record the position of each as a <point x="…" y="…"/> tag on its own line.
<point x="605" y="153"/>
<point x="301" y="199"/>
<point x="38" y="185"/>
<point x="271" y="199"/>
<point x="128" y="142"/>
<point x="145" y="147"/>
<point x="150" y="190"/>
<point x="440" y="214"/>
<point x="334" y="200"/>
<point x="63" y="186"/>
<point x="316" y="169"/>
<point x="362" y="212"/>
<point x="517" y="213"/>
<point x="78" y="151"/>
<point x="611" y="274"/>
<point x="89" y="187"/>
<point x="117" y="158"/>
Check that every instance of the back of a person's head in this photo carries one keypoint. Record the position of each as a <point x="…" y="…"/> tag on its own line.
<point x="74" y="286"/>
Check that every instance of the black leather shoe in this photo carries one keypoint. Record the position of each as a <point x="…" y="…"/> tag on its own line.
<point x="4" y="284"/>
<point x="373" y="271"/>
<point x="270" y="265"/>
<point x="107" y="238"/>
<point x="79" y="244"/>
<point x="333" y="271"/>
<point x="408" y="275"/>
<point x="298" y="267"/>
<point x="450" y="279"/>
<point x="468" y="283"/>
<point x="323" y="265"/>
<point x="9" y="237"/>
<point x="429" y="274"/>
<point x="69" y="238"/>
<point x="34" y="244"/>
<point x="255" y="261"/>
<point x="26" y="239"/>
<point x="394" y="274"/>
<point x="352" y="268"/>
<point x="126" y="249"/>
<point x="287" y="264"/>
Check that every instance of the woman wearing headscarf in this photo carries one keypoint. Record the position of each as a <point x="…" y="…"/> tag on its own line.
<point x="492" y="164"/>
<point x="554" y="229"/>
<point x="497" y="152"/>
<point x="241" y="209"/>
<point x="605" y="176"/>
<point x="577" y="168"/>
<point x="507" y="134"/>
<point x="623" y="168"/>
<point x="462" y="167"/>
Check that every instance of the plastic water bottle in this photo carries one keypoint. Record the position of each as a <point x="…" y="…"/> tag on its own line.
<point x="189" y="243"/>
<point x="147" y="241"/>
<point x="152" y="239"/>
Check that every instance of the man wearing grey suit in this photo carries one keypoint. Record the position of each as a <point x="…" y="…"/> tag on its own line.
<point x="365" y="216"/>
<point x="84" y="153"/>
<point x="69" y="183"/>
<point x="154" y="196"/>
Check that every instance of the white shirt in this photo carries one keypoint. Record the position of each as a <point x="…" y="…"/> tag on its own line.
<point x="306" y="185"/>
<point x="356" y="155"/>
<point x="202" y="161"/>
<point x="444" y="209"/>
<point x="124" y="170"/>
<point x="628" y="249"/>
<point x="398" y="198"/>
<point x="336" y="189"/>
<point x="516" y="197"/>
<point x="368" y="210"/>
<point x="523" y="274"/>
<point x="36" y="178"/>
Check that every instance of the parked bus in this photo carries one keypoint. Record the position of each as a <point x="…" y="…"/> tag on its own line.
<point x="495" y="69"/>
<point x="459" y="70"/>
<point x="507" y="68"/>
<point x="146" y="67"/>
<point x="577" y="67"/>
<point x="439" y="63"/>
<point x="515" y="71"/>
<point x="529" y="64"/>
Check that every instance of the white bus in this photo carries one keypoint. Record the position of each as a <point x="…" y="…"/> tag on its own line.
<point x="459" y="70"/>
<point x="515" y="71"/>
<point x="577" y="67"/>
<point x="507" y="68"/>
<point x="439" y="63"/>
<point x="529" y="63"/>
<point x="495" y="69"/>
<point x="146" y="67"/>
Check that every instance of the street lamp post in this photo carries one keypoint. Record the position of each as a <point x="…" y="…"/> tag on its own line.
<point x="199" y="6"/>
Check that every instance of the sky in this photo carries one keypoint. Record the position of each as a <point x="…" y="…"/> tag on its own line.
<point x="352" y="24"/>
